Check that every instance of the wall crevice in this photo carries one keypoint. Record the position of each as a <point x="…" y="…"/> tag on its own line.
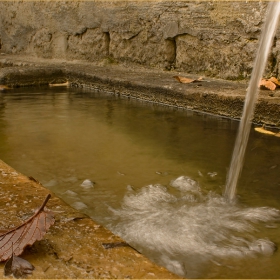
<point x="107" y="40"/>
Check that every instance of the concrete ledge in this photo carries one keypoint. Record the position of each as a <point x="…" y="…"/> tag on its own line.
<point x="213" y="96"/>
<point x="72" y="248"/>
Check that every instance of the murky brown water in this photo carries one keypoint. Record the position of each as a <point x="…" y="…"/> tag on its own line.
<point x="63" y="136"/>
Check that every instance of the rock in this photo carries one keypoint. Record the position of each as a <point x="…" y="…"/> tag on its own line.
<point x="70" y="193"/>
<point x="50" y="183"/>
<point x="217" y="38"/>
<point x="87" y="184"/>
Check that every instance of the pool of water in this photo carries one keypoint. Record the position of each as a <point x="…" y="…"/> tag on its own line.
<point x="153" y="175"/>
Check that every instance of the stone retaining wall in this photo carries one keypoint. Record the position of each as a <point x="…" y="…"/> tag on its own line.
<point x="213" y="38"/>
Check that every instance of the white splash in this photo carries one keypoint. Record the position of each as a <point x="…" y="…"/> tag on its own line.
<point x="179" y="223"/>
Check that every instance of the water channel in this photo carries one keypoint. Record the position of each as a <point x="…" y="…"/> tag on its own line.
<point x="158" y="176"/>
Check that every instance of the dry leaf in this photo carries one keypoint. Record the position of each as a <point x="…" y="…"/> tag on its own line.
<point x="18" y="267"/>
<point x="267" y="84"/>
<point x="3" y="87"/>
<point x="262" y="130"/>
<point x="186" y="80"/>
<point x="15" y="240"/>
<point x="66" y="84"/>
<point x="275" y="81"/>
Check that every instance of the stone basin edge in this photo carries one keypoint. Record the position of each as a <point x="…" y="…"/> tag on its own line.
<point x="210" y="96"/>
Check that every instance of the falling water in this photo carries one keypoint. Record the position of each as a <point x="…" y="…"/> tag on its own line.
<point x="251" y="97"/>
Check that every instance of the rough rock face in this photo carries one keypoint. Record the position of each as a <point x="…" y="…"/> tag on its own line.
<point x="215" y="38"/>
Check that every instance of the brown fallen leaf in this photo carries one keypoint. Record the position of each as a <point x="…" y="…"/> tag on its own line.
<point x="267" y="84"/>
<point x="3" y="87"/>
<point x="66" y="84"/>
<point x="272" y="83"/>
<point x="185" y="80"/>
<point x="275" y="81"/>
<point x="263" y="130"/>
<point x="18" y="267"/>
<point x="15" y="240"/>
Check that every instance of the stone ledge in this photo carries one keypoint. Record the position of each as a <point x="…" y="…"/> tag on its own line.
<point x="212" y="96"/>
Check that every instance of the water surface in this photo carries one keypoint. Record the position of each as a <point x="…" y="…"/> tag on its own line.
<point x="135" y="154"/>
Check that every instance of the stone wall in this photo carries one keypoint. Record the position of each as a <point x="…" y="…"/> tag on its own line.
<point x="213" y="38"/>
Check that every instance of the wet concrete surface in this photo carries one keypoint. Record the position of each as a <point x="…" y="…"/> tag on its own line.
<point x="213" y="96"/>
<point x="75" y="246"/>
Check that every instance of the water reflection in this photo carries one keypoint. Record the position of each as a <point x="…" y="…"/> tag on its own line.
<point x="3" y="123"/>
<point x="110" y="112"/>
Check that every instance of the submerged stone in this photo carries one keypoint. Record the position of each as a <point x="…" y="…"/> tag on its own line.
<point x="87" y="184"/>
<point x="79" y="205"/>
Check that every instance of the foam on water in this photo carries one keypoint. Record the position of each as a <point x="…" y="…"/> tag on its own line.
<point x="180" y="224"/>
